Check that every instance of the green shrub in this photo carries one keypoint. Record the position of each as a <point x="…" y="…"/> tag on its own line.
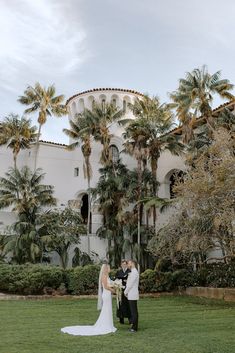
<point x="183" y="278"/>
<point x="148" y="281"/>
<point x="83" y="280"/>
<point x="38" y="279"/>
<point x="29" y="279"/>
<point x="218" y="275"/>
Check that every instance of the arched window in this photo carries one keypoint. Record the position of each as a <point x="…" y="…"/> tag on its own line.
<point x="114" y="153"/>
<point x="102" y="100"/>
<point x="81" y="105"/>
<point x="73" y="109"/>
<point x="91" y="102"/>
<point x="124" y="105"/>
<point x="115" y="100"/>
<point x="84" y="210"/>
<point x="103" y="104"/>
<point x="177" y="176"/>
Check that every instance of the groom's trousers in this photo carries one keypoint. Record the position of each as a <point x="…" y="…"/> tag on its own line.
<point x="134" y="314"/>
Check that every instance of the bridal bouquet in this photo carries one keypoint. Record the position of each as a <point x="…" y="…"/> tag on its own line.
<point x="117" y="286"/>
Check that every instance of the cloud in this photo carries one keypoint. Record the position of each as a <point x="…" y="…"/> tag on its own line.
<point x="40" y="40"/>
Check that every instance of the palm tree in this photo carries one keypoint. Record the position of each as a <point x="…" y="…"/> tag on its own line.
<point x="147" y="137"/>
<point x="195" y="95"/>
<point x="23" y="191"/>
<point x="43" y="101"/>
<point x="136" y="146"/>
<point x="226" y="119"/>
<point x="110" y="191"/>
<point x="81" y="130"/>
<point x="17" y="134"/>
<point x="102" y="116"/>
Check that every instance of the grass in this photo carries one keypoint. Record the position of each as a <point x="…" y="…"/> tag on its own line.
<point x="167" y="325"/>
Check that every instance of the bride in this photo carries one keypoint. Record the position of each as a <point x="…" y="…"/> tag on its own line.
<point x="104" y="324"/>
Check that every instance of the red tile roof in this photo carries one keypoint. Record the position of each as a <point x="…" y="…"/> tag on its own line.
<point x="53" y="143"/>
<point x="105" y="89"/>
<point x="229" y="104"/>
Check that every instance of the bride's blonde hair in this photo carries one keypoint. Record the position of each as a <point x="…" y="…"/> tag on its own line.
<point x="103" y="271"/>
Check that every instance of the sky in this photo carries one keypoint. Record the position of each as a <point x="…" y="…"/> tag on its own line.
<point x="83" y="44"/>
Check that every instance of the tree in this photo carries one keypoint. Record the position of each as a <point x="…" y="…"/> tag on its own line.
<point x="101" y="117"/>
<point x="110" y="193"/>
<point x="147" y="137"/>
<point x="17" y="134"/>
<point x="81" y="130"/>
<point x="46" y="103"/>
<point x="205" y="211"/>
<point x="3" y="241"/>
<point x="195" y="95"/>
<point x="23" y="191"/>
<point x="60" y="229"/>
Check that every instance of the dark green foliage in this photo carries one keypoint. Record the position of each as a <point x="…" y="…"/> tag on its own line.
<point x="213" y="275"/>
<point x="36" y="279"/>
<point x="29" y="279"/>
<point x="148" y="281"/>
<point x="217" y="275"/>
<point x="83" y="280"/>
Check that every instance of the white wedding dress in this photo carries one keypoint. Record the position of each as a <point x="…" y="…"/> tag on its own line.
<point x="103" y="325"/>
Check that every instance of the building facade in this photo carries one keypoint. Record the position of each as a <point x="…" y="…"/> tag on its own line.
<point x="64" y="169"/>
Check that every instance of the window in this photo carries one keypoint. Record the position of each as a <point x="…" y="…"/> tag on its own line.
<point x="124" y="106"/>
<point x="114" y="153"/>
<point x="84" y="211"/>
<point x="76" y="172"/>
<point x="176" y="177"/>
<point x="114" y="102"/>
<point x="103" y="103"/>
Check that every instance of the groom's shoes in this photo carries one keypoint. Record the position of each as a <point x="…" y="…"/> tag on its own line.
<point x="132" y="330"/>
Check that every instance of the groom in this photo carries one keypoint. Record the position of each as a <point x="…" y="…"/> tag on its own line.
<point x="132" y="293"/>
<point x="123" y="310"/>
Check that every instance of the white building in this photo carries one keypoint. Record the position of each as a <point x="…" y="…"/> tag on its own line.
<point x="64" y="169"/>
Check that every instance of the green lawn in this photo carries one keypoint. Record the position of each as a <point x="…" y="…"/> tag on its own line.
<point x="167" y="325"/>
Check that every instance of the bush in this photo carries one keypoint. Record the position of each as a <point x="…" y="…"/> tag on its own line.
<point x="83" y="280"/>
<point x="39" y="279"/>
<point x="218" y="275"/>
<point x="29" y="279"/>
<point x="148" y="281"/>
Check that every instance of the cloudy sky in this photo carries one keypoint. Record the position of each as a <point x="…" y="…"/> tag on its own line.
<point x="81" y="44"/>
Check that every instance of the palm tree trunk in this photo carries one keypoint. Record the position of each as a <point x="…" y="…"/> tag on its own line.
<point x="37" y="146"/>
<point x="138" y="237"/>
<point x="89" y="215"/>
<point x="154" y="166"/>
<point x="139" y="210"/>
<point x="15" y="157"/>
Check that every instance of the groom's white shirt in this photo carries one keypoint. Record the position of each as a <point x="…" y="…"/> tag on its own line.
<point x="132" y="285"/>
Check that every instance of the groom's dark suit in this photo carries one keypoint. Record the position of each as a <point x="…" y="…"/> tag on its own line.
<point x="124" y="309"/>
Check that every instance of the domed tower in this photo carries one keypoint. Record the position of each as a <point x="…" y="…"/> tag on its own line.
<point x="118" y="96"/>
